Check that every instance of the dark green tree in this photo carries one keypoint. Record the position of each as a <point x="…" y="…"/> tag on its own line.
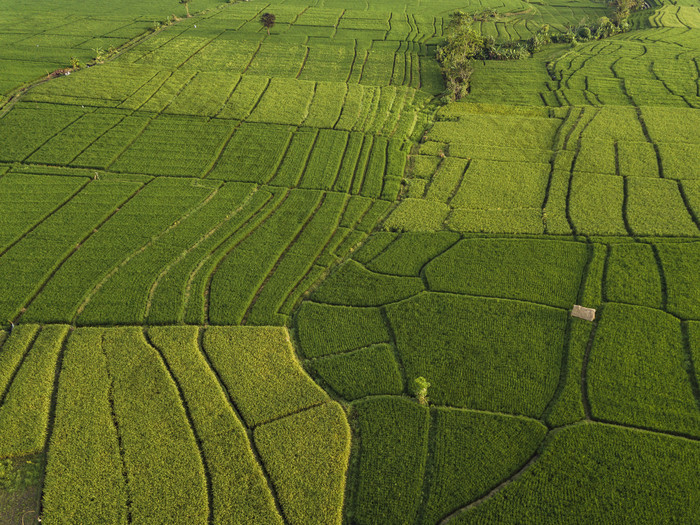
<point x="267" y="20"/>
<point x="457" y="55"/>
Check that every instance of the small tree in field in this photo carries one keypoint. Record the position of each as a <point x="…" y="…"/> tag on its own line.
<point x="420" y="389"/>
<point x="187" y="7"/>
<point x="267" y="20"/>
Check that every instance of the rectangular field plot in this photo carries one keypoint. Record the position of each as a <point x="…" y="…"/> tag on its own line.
<point x="517" y="82"/>
<point x="324" y="162"/>
<point x="26" y="199"/>
<point x="284" y="102"/>
<point x="327" y="104"/>
<point x="329" y="62"/>
<point x="253" y="153"/>
<point x="597" y="156"/>
<point x="244" y="97"/>
<point x="680" y="160"/>
<point x="378" y="68"/>
<point x="672" y="125"/>
<point x="177" y="51"/>
<point x="614" y="124"/>
<point x="489" y="184"/>
<point x="63" y="148"/>
<point x="107" y="85"/>
<point x="596" y="204"/>
<point x="680" y="262"/>
<point x="224" y="54"/>
<point x="633" y="276"/>
<point x="518" y="220"/>
<point x="106" y="148"/>
<point x="637" y="374"/>
<point x="204" y="95"/>
<point x="540" y="271"/>
<point x="656" y="207"/>
<point x="494" y="129"/>
<point x="278" y="59"/>
<point x="638" y="159"/>
<point x="180" y="146"/>
<point x="24" y="130"/>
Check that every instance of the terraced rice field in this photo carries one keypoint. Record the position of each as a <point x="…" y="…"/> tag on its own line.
<point x="226" y="257"/>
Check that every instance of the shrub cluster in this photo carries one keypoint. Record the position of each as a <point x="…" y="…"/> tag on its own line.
<point x="465" y="44"/>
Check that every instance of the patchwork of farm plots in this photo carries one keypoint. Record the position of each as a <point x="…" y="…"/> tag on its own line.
<point x="34" y="42"/>
<point x="225" y="257"/>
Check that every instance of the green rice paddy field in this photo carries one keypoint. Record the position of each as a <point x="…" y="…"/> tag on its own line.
<point x="226" y="256"/>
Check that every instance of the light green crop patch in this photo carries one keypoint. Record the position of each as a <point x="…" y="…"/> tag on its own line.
<point x="261" y="374"/>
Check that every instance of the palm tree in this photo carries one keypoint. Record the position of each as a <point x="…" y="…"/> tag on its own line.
<point x="267" y="20"/>
<point x="187" y="7"/>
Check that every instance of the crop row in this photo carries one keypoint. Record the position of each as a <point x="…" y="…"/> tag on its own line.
<point x="345" y="54"/>
<point x="227" y="149"/>
<point x="375" y="109"/>
<point x="196" y="258"/>
<point x="627" y="72"/>
<point x="56" y="238"/>
<point x="136" y="223"/>
<point x="36" y="43"/>
<point x="594" y="171"/>
<point x="644" y="71"/>
<point x="133" y="408"/>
